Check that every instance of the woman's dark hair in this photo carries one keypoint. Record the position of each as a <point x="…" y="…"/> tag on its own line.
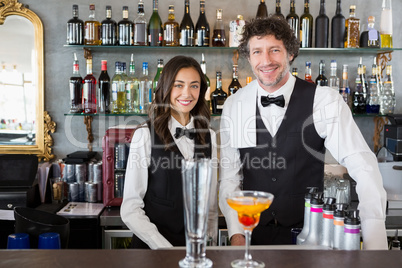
<point x="271" y="25"/>
<point x="160" y="110"/>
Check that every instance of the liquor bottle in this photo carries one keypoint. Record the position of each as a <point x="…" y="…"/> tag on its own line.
<point x="202" y="28"/>
<point x="373" y="92"/>
<point x="307" y="72"/>
<point x="307" y="213"/>
<point x="219" y="96"/>
<point x="236" y="31"/>
<point x="75" y="29"/>
<point x="203" y="65"/>
<point x="328" y="222"/>
<point x="118" y="90"/>
<point x="339" y="217"/>
<point x="235" y="84"/>
<point x="187" y="27"/>
<point x="293" y="20"/>
<point x="352" y="26"/>
<point x="352" y="231"/>
<point x="322" y="27"/>
<point x="386" y="24"/>
<point x="262" y="11"/>
<point x="278" y="12"/>
<point x="321" y="79"/>
<point x="109" y="29"/>
<point x="387" y="97"/>
<point x="103" y="94"/>
<point x="157" y="75"/>
<point x="344" y="90"/>
<point x="306" y="26"/>
<point x="295" y="73"/>
<point x="126" y="94"/>
<point x="219" y="36"/>
<point x="140" y="26"/>
<point x="89" y="90"/>
<point x="338" y="27"/>
<point x="132" y="89"/>
<point x="75" y="88"/>
<point x="249" y="79"/>
<point x="333" y="80"/>
<point x="145" y="89"/>
<point x="360" y="92"/>
<point x="314" y="236"/>
<point x="171" y="30"/>
<point x="155" y="30"/>
<point x="371" y="37"/>
<point x="126" y="29"/>
<point x="92" y="28"/>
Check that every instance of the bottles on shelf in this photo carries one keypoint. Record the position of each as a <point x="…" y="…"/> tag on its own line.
<point x="262" y="11"/>
<point x="371" y="37"/>
<point x="92" y="28"/>
<point x="293" y="20"/>
<point x="202" y="31"/>
<point x="235" y="31"/>
<point x="338" y="28"/>
<point x="118" y="104"/>
<point x="322" y="27"/>
<point x="321" y="79"/>
<point x="75" y="29"/>
<point x="219" y="96"/>
<point x="387" y="97"/>
<point x="278" y="12"/>
<point x="306" y="26"/>
<point x="373" y="93"/>
<point x="140" y="26"/>
<point x="360" y="93"/>
<point x="158" y="74"/>
<point x="187" y="27"/>
<point x="386" y="24"/>
<point x="155" y="30"/>
<point x="203" y="65"/>
<point x="75" y="83"/>
<point x="333" y="80"/>
<point x="108" y="29"/>
<point x="171" y="30"/>
<point x="103" y="93"/>
<point x="352" y="27"/>
<point x="235" y="84"/>
<point x="89" y="90"/>
<point x="307" y="72"/>
<point x="126" y="29"/>
<point x="344" y="90"/>
<point x="219" y="35"/>
<point x="132" y="88"/>
<point x="145" y="89"/>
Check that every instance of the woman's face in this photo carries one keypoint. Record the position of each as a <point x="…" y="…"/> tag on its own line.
<point x="184" y="94"/>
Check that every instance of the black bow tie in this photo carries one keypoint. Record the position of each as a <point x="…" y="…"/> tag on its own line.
<point x="189" y="133"/>
<point x="280" y="101"/>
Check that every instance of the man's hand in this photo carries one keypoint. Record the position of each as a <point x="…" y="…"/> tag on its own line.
<point x="238" y="240"/>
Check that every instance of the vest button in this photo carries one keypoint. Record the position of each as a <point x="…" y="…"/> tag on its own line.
<point x="273" y="179"/>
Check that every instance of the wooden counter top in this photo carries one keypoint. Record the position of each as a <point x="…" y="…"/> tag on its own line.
<point x="220" y="258"/>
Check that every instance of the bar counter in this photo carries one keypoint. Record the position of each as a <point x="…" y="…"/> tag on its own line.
<point x="220" y="258"/>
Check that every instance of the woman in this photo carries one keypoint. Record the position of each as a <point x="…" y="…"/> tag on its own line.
<point x="178" y="129"/>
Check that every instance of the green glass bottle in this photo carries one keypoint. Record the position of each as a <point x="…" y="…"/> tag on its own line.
<point x="158" y="74"/>
<point x="155" y="30"/>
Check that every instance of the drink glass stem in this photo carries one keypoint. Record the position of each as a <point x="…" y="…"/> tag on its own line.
<point x="247" y="255"/>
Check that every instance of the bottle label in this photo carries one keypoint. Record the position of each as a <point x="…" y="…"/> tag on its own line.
<point x="372" y="35"/>
<point x="235" y="32"/>
<point x="114" y="91"/>
<point x="85" y="90"/>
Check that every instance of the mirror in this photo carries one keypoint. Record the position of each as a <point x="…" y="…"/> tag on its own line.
<point x="24" y="125"/>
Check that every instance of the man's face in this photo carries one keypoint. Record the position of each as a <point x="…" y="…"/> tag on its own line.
<point x="269" y="61"/>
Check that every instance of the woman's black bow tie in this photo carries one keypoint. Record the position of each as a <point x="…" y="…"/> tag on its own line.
<point x="280" y="101"/>
<point x="189" y="133"/>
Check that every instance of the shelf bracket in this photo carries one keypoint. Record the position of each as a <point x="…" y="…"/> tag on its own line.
<point x="379" y="123"/>
<point x="88" y="123"/>
<point x="383" y="58"/>
<point x="87" y="53"/>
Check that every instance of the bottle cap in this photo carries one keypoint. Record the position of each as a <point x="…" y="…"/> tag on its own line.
<point x="329" y="204"/>
<point x="353" y="217"/>
<point x="317" y="199"/>
<point x="371" y="19"/>
<point x="92" y="7"/>
<point x="240" y="17"/>
<point x="75" y="6"/>
<point x="311" y="192"/>
<point x="125" y="7"/>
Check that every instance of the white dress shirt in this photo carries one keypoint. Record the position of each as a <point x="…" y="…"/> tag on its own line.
<point x="136" y="184"/>
<point x="333" y="122"/>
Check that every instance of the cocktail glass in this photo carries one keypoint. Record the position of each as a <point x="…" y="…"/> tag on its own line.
<point x="249" y="205"/>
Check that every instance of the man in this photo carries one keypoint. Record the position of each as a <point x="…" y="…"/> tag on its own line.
<point x="274" y="133"/>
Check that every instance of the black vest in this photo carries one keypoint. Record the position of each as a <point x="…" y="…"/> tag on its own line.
<point x="164" y="197"/>
<point x="287" y="163"/>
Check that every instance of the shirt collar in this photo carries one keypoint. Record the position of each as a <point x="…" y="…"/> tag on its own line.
<point x="173" y="124"/>
<point x="286" y="90"/>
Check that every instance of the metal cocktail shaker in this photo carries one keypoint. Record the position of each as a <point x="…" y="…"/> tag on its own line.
<point x="328" y="222"/>
<point x="315" y="234"/>
<point x="352" y="231"/>
<point x="339" y="217"/>
<point x="307" y="208"/>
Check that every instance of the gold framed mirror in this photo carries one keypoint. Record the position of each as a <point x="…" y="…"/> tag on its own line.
<point x="24" y="124"/>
